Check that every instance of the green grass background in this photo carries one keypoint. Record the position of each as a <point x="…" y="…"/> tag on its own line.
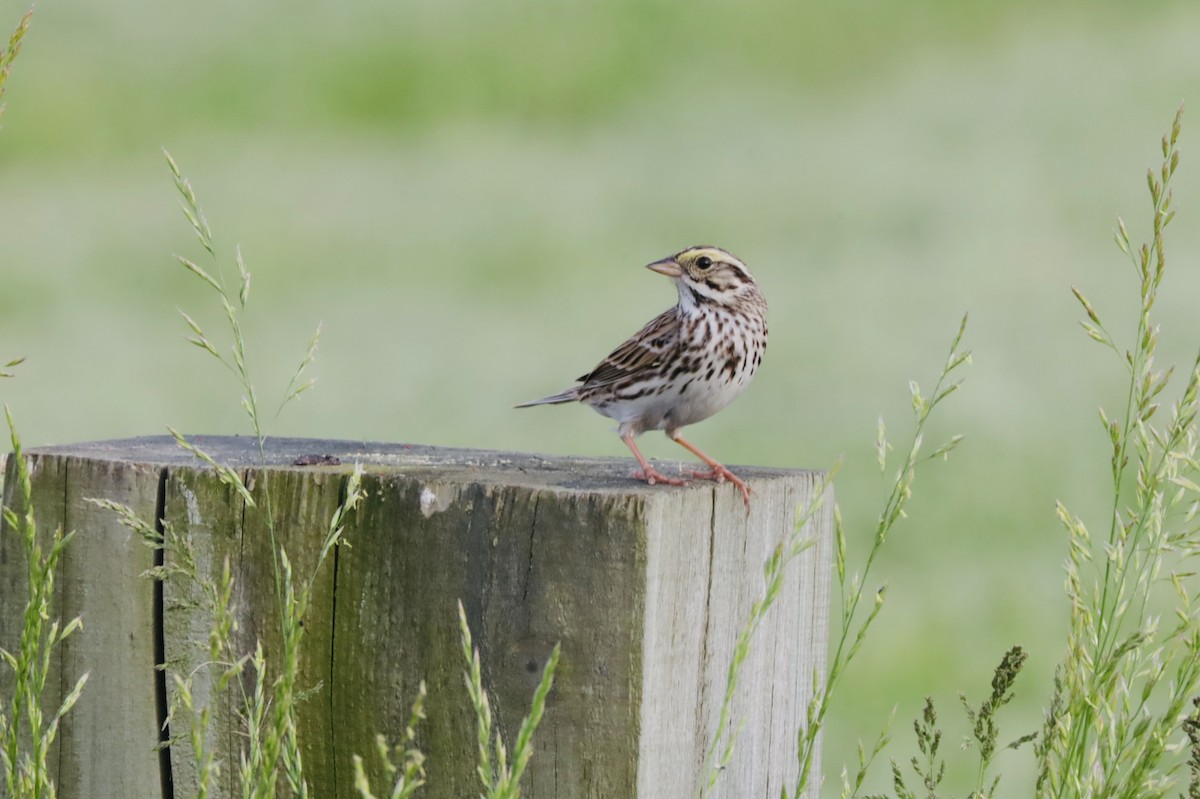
<point x="465" y="193"/>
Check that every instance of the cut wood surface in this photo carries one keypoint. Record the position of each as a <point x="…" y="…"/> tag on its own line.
<point x="646" y="588"/>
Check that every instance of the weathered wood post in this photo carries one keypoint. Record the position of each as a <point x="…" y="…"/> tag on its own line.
<point x="646" y="587"/>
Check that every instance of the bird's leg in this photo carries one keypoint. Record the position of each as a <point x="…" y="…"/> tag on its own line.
<point x="716" y="471"/>
<point x="648" y="472"/>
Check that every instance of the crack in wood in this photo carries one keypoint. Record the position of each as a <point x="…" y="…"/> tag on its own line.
<point x="166" y="776"/>
<point x="532" y="535"/>
<point x="702" y="700"/>
<point x="343" y="492"/>
<point x="59" y="654"/>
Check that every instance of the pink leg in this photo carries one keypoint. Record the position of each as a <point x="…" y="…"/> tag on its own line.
<point x="648" y="472"/>
<point x="716" y="471"/>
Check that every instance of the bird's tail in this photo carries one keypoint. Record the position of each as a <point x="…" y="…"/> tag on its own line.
<point x="570" y="395"/>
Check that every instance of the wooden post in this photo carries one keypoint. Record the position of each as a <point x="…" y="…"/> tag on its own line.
<point x="646" y="588"/>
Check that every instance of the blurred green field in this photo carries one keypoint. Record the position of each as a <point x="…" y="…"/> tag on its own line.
<point x="465" y="194"/>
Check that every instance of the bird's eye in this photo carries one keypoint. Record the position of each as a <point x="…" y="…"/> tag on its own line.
<point x="703" y="262"/>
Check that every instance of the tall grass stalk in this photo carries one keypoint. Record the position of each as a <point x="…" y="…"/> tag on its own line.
<point x="930" y="766"/>
<point x="499" y="772"/>
<point x="234" y="307"/>
<point x="985" y="730"/>
<point x="273" y="750"/>
<point x="720" y="750"/>
<point x="27" y="728"/>
<point x="409" y="774"/>
<point x="7" y="56"/>
<point x="984" y="740"/>
<point x="852" y="627"/>
<point x="1114" y="724"/>
<point x="269" y="706"/>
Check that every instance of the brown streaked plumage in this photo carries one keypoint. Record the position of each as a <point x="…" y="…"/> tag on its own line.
<point x="687" y="363"/>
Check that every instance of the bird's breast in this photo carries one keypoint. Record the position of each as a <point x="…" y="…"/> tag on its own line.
<point x="728" y="351"/>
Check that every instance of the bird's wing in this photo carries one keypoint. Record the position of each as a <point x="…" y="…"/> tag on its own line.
<point x="642" y="350"/>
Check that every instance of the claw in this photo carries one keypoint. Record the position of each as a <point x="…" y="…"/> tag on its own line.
<point x="652" y="476"/>
<point x="719" y="474"/>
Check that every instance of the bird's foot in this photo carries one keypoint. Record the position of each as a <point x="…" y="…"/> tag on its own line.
<point x="719" y="474"/>
<point x="652" y="476"/>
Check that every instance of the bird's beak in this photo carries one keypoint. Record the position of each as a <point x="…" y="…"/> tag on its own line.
<point x="668" y="266"/>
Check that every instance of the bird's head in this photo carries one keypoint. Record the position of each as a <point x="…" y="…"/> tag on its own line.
<point x="710" y="275"/>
